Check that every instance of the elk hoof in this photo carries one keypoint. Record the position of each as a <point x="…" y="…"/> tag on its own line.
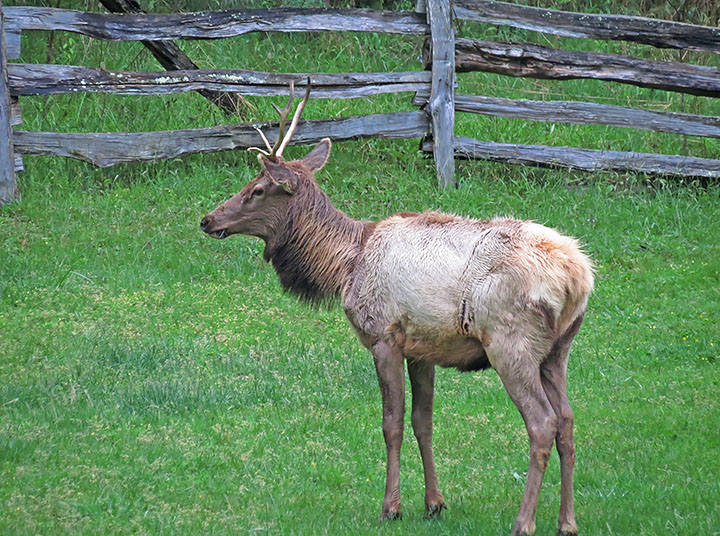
<point x="434" y="511"/>
<point x="567" y="532"/>
<point x="391" y="515"/>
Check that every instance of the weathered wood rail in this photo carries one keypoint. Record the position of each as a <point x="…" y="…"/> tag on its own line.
<point x="39" y="79"/>
<point x="583" y="159"/>
<point x="443" y="55"/>
<point x="535" y="61"/>
<point x="658" y="33"/>
<point x="172" y="58"/>
<point x="212" y="24"/>
<point x="110" y="148"/>
<point x="586" y="113"/>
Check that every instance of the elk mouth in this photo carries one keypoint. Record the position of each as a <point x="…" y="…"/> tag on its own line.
<point x="220" y="233"/>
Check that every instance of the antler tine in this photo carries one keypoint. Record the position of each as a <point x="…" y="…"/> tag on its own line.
<point x="265" y="140"/>
<point x="270" y="153"/>
<point x="283" y="139"/>
<point x="295" y="119"/>
<point x="284" y="113"/>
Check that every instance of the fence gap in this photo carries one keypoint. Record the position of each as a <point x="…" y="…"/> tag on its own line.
<point x="8" y="184"/>
<point x="442" y="94"/>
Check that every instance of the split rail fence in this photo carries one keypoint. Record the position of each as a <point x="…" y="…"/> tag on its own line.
<point x="434" y="87"/>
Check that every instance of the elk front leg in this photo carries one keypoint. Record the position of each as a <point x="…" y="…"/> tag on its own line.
<point x="422" y="380"/>
<point x="391" y="376"/>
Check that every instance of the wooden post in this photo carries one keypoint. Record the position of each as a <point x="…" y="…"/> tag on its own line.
<point x="8" y="185"/>
<point x="442" y="96"/>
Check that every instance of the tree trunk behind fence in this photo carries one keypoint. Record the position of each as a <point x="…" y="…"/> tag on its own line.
<point x="172" y="58"/>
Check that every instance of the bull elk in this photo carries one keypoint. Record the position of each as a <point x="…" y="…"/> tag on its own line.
<point x="429" y="289"/>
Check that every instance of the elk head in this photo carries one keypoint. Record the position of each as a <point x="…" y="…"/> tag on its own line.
<point x="261" y="207"/>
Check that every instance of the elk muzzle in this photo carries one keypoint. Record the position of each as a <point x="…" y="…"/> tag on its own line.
<point x="209" y="226"/>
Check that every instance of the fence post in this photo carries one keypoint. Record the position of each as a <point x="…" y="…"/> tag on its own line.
<point x="8" y="185"/>
<point x="442" y="95"/>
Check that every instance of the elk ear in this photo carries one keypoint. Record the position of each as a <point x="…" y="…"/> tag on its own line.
<point x="317" y="158"/>
<point x="280" y="175"/>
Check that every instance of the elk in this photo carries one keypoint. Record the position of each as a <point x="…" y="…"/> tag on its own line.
<point x="429" y="289"/>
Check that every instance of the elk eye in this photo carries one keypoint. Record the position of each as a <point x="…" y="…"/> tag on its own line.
<point x="258" y="192"/>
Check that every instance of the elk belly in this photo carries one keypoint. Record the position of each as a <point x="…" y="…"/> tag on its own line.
<point x="459" y="351"/>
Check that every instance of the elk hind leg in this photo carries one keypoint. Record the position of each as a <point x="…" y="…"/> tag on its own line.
<point x="422" y="379"/>
<point x="541" y="423"/>
<point x="518" y="366"/>
<point x="553" y="374"/>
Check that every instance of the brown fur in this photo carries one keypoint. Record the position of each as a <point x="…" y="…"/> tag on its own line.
<point x="436" y="218"/>
<point x="315" y="252"/>
<point x="545" y="311"/>
<point x="406" y="214"/>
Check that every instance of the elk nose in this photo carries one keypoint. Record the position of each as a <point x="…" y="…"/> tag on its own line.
<point x="204" y="223"/>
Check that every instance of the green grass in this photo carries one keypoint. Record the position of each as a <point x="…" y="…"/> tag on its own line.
<point x="156" y="381"/>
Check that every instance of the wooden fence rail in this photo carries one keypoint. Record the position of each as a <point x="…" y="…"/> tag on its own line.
<point x="658" y="33"/>
<point x="110" y="148"/>
<point x="212" y="24"/>
<point x="39" y="79"/>
<point x="584" y="159"/>
<point x="443" y="55"/>
<point x="585" y="113"/>
<point x="172" y="58"/>
<point x="535" y="61"/>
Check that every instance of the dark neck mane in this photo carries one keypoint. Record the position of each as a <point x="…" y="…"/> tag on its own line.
<point x="316" y="251"/>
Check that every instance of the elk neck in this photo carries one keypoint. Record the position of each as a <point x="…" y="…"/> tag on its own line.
<point x="315" y="252"/>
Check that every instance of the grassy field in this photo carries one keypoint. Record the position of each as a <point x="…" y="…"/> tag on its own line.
<point x="155" y="381"/>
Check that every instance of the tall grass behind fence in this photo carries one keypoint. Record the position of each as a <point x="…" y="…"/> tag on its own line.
<point x="434" y="90"/>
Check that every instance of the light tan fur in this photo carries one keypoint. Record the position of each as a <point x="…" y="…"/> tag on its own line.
<point x="417" y="273"/>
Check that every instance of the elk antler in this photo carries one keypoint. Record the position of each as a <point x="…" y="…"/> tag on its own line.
<point x="275" y="152"/>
